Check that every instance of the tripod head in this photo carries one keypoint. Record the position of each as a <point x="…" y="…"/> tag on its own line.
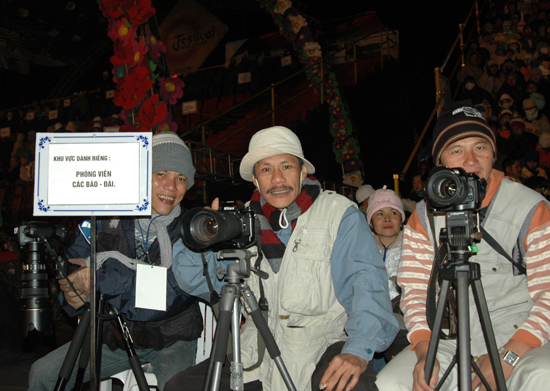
<point x="460" y="235"/>
<point x="236" y="272"/>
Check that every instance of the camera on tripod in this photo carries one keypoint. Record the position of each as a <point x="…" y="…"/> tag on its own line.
<point x="452" y="189"/>
<point x="459" y="194"/>
<point x="232" y="226"/>
<point x="34" y="238"/>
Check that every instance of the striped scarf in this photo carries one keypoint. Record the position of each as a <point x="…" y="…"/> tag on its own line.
<point x="270" y="219"/>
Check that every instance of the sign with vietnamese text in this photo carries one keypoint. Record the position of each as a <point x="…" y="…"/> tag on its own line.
<point x="93" y="174"/>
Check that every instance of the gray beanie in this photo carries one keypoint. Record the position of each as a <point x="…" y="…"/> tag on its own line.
<point x="171" y="154"/>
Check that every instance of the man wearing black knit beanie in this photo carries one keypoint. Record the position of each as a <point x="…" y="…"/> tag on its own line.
<point x="519" y="219"/>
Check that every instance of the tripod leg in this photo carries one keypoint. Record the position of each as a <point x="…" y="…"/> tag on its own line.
<point x="463" y="343"/>
<point x="488" y="334"/>
<point x="263" y="328"/>
<point x="83" y="362"/>
<point x="434" y="340"/>
<point x="219" y="348"/>
<point x="210" y="370"/>
<point x="236" y="380"/>
<point x="72" y="353"/>
<point x="133" y="358"/>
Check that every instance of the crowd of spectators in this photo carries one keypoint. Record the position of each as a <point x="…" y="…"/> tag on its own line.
<point x="506" y="75"/>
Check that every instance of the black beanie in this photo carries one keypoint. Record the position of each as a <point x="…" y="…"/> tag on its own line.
<point x="456" y="121"/>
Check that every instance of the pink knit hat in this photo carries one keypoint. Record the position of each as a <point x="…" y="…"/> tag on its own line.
<point x="383" y="198"/>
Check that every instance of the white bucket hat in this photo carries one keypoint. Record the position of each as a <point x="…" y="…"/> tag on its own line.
<point x="269" y="142"/>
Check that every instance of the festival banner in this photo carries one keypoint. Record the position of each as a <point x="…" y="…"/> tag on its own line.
<point x="190" y="33"/>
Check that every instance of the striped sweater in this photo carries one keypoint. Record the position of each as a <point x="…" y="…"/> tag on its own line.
<point x="416" y="264"/>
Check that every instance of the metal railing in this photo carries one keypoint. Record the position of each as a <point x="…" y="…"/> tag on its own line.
<point x="440" y="93"/>
<point x="385" y="41"/>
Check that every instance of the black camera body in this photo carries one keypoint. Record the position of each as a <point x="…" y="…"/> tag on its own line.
<point x="39" y="231"/>
<point x="453" y="190"/>
<point x="232" y="226"/>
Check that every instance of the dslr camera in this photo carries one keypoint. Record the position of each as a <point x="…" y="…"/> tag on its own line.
<point x="454" y="190"/>
<point x="230" y="227"/>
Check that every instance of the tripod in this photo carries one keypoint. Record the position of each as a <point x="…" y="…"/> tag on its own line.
<point x="230" y="312"/>
<point x="462" y="274"/>
<point x="81" y="344"/>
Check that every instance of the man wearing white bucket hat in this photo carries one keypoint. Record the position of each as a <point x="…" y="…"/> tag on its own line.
<point x="329" y="307"/>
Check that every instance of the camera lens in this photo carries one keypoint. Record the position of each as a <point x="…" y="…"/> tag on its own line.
<point x="444" y="187"/>
<point x="35" y="309"/>
<point x="204" y="227"/>
<point x="447" y="188"/>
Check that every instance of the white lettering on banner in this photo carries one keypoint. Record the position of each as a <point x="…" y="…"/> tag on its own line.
<point x="190" y="33"/>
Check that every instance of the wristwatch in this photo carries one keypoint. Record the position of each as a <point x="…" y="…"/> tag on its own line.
<point x="509" y="357"/>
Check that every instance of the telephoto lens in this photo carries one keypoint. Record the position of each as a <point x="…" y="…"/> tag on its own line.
<point x="203" y="228"/>
<point x="35" y="308"/>
<point x="228" y="228"/>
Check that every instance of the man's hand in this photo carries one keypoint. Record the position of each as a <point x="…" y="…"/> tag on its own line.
<point x="419" y="377"/>
<point x="343" y="368"/>
<point x="484" y="364"/>
<point x="81" y="283"/>
<point x="215" y="204"/>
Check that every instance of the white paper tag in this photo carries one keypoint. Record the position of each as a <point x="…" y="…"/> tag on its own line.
<point x="151" y="287"/>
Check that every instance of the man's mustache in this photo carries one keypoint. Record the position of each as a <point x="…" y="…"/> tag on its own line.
<point x="279" y="188"/>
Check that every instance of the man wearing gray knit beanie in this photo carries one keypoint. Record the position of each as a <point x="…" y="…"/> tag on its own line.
<point x="516" y="287"/>
<point x="165" y="339"/>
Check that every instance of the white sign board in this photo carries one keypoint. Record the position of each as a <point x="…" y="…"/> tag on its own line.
<point x="93" y="174"/>
<point x="286" y="60"/>
<point x="245" y="77"/>
<point x="189" y="107"/>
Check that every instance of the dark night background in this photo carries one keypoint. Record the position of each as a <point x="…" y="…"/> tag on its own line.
<point x="388" y="107"/>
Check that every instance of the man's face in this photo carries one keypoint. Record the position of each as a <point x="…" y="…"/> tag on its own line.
<point x="169" y="188"/>
<point x="417" y="183"/>
<point x="278" y="178"/>
<point x="517" y="130"/>
<point x="504" y="119"/>
<point x="536" y="77"/>
<point x="473" y="154"/>
<point x="532" y="164"/>
<point x="515" y="169"/>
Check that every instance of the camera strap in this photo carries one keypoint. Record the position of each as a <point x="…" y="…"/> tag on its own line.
<point x="262" y="303"/>
<point x="498" y="248"/>
<point x="440" y="256"/>
<point x="214" y="297"/>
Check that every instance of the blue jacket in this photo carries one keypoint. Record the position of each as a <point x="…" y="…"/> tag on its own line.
<point x="116" y="283"/>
